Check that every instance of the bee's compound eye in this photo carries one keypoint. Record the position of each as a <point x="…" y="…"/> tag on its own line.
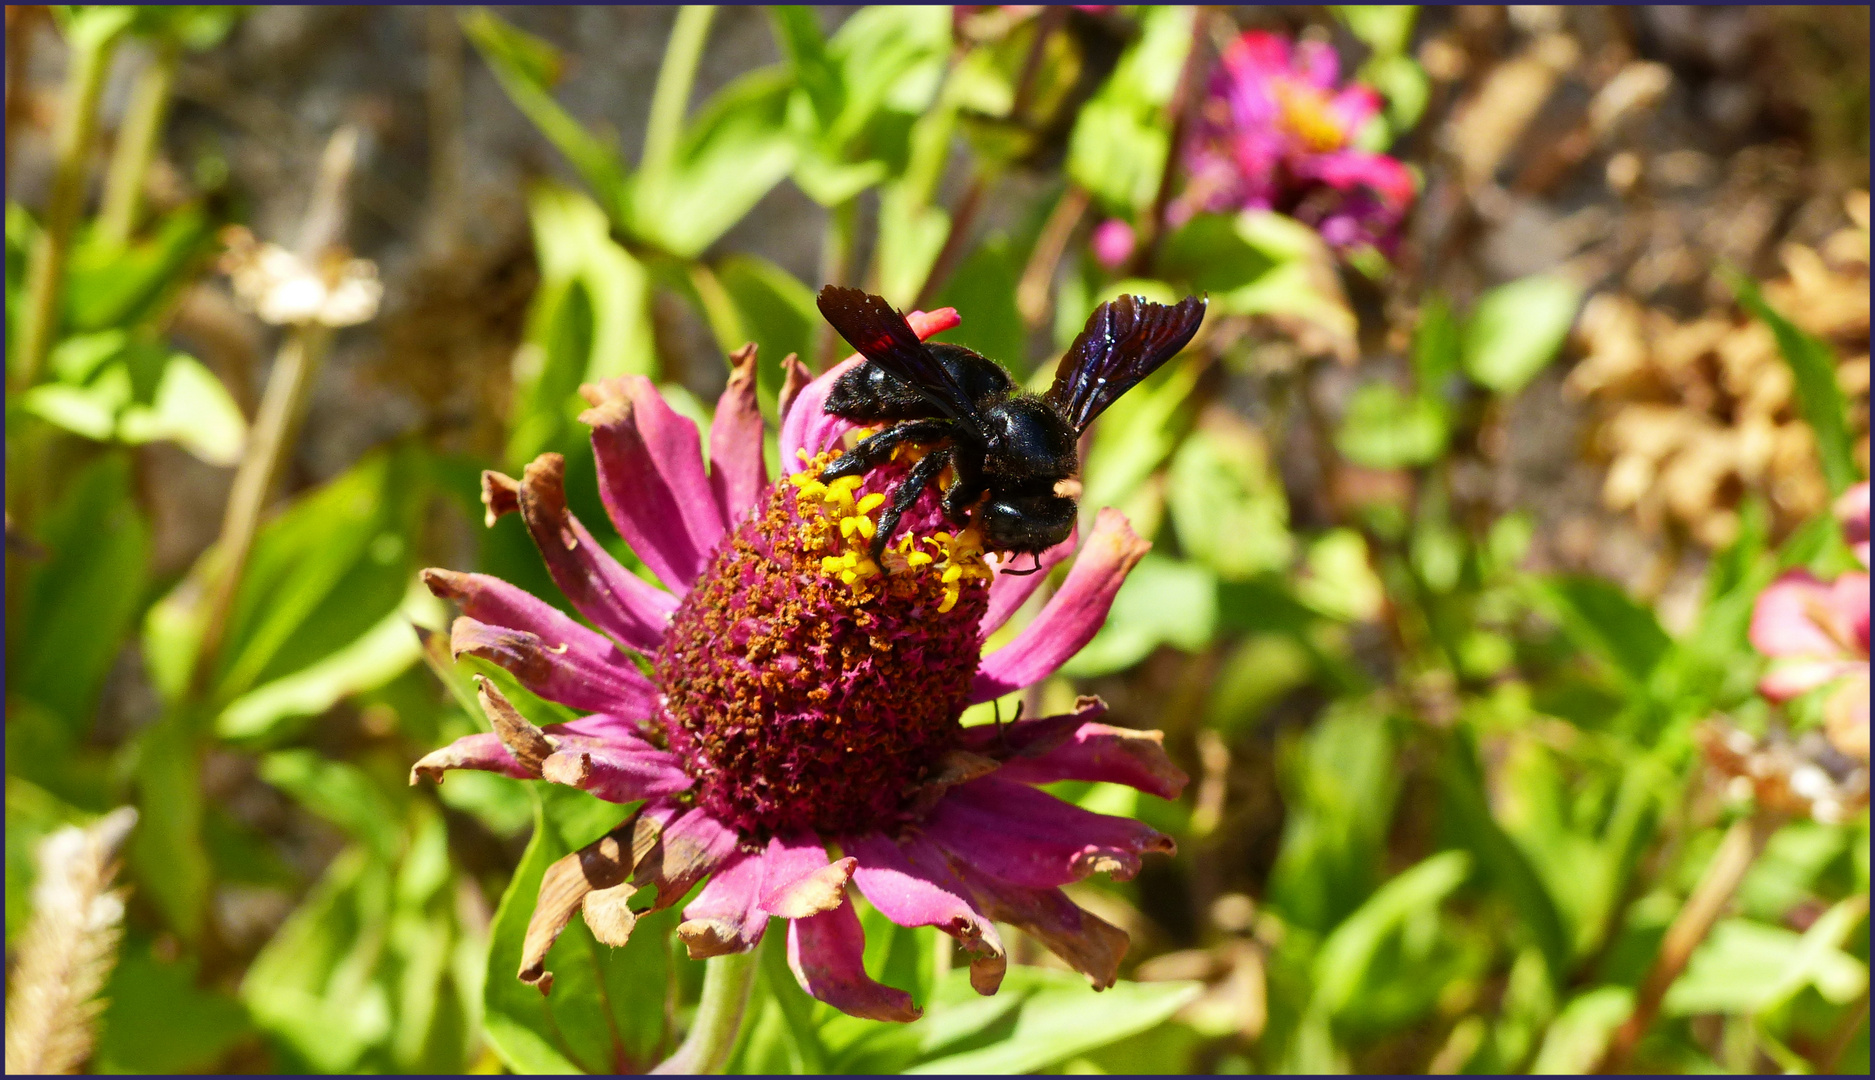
<point x="1026" y="522"/>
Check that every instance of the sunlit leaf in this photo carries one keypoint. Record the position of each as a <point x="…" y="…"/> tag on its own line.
<point x="1516" y="330"/>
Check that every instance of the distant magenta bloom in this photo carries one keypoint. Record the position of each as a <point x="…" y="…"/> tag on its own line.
<point x="1817" y="634"/>
<point x="1113" y="242"/>
<point x="1274" y="133"/>
<point x="799" y="695"/>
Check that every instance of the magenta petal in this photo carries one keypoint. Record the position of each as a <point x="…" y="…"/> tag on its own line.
<point x="1073" y="615"/>
<point x="483" y="752"/>
<point x="805" y="425"/>
<point x="688" y="846"/>
<point x="910" y="883"/>
<point x="1009" y="591"/>
<point x="808" y="429"/>
<point x="631" y="609"/>
<point x="726" y="917"/>
<point x="495" y="602"/>
<point x="651" y="478"/>
<point x="827" y="951"/>
<point x="737" y="472"/>
<point x="1074" y="747"/>
<point x="1784" y="622"/>
<point x="1028" y="837"/>
<point x="577" y="676"/>
<point x="1086" y="943"/>
<point x="798" y="880"/>
<point x="612" y="772"/>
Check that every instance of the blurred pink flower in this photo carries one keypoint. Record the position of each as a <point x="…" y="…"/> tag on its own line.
<point x="799" y="696"/>
<point x="1817" y="634"/>
<point x="1113" y="242"/>
<point x="1274" y="133"/>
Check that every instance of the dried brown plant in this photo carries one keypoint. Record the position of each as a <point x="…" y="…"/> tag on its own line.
<point x="1693" y="415"/>
<point x="67" y="950"/>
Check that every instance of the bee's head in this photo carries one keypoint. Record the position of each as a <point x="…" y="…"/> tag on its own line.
<point x="1025" y="522"/>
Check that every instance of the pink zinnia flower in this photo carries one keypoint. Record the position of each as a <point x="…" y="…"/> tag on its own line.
<point x="1274" y="133"/>
<point x="798" y="697"/>
<point x="1817" y="634"/>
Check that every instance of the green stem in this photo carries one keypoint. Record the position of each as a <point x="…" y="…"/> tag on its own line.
<point x="84" y="84"/>
<point x="671" y="99"/>
<point x="288" y="386"/>
<point x="137" y="139"/>
<point x="706" y="1049"/>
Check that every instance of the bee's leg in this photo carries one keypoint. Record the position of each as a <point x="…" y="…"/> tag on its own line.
<point x="877" y="449"/>
<point x="966" y="489"/>
<point x="904" y="496"/>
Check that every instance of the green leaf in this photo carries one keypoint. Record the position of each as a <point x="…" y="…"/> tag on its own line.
<point x="1137" y="433"/>
<point x="777" y="309"/>
<point x="1055" y="1018"/>
<point x="1435" y="345"/>
<point x="571" y="1030"/>
<point x="339" y="792"/>
<point x="1118" y="146"/>
<point x="380" y="655"/>
<point x="110" y="285"/>
<point x="1163" y="602"/>
<point x="1386" y="29"/>
<point x="1579" y="1036"/>
<point x="1503" y="862"/>
<point x="1228" y="502"/>
<point x="1347" y="954"/>
<point x="590" y="318"/>
<point x="315" y="985"/>
<point x="1385" y="429"/>
<point x="193" y="410"/>
<point x="797" y="34"/>
<point x="1814" y="368"/>
<point x="1606" y="621"/>
<point x="1338" y="782"/>
<point x="78" y="604"/>
<point x="159" y="1021"/>
<point x="984" y="289"/>
<point x="730" y="155"/>
<point x="527" y="68"/>
<point x="1748" y="967"/>
<point x="1516" y="330"/>
<point x="166" y="850"/>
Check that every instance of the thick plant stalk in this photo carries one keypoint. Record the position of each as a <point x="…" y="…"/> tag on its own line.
<point x="136" y="145"/>
<point x="288" y="386"/>
<point x="66" y="952"/>
<point x="1742" y="844"/>
<point x="45" y="276"/>
<point x="712" y="1037"/>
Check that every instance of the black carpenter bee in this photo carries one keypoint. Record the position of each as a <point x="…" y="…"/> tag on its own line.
<point x="1004" y="443"/>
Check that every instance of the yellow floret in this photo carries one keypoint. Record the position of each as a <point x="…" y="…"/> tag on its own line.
<point x="870" y="503"/>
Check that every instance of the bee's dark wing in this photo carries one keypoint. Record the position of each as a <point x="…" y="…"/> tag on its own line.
<point x="1124" y="341"/>
<point x="882" y="336"/>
